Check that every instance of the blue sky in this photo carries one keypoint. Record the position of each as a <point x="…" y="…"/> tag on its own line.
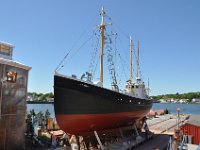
<point x="44" y="31"/>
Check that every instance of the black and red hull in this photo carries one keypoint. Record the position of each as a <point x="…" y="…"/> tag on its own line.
<point x="81" y="107"/>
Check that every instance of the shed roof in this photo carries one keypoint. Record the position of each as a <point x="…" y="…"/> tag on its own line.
<point x="194" y="120"/>
<point x="7" y="44"/>
<point x="14" y="63"/>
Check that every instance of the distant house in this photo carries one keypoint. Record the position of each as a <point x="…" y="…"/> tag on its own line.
<point x="192" y="129"/>
<point x="28" y="98"/>
<point x="163" y="101"/>
<point x="50" y="99"/>
<point x="172" y="100"/>
<point x="183" y="100"/>
<point x="196" y="100"/>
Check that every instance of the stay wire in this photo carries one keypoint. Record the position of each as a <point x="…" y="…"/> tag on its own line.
<point x="116" y="50"/>
<point x="65" y="57"/>
<point x="79" y="48"/>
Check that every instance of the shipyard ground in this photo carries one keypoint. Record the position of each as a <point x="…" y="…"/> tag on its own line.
<point x="158" y="141"/>
<point x="162" y="128"/>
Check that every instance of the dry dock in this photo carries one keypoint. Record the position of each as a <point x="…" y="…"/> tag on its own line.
<point x="161" y="127"/>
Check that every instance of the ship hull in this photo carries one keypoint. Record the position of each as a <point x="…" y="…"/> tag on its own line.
<point x="82" y="107"/>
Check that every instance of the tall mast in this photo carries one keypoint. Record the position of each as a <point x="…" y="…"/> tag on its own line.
<point x="102" y="28"/>
<point x="131" y="60"/>
<point x="137" y="64"/>
<point x="102" y="38"/>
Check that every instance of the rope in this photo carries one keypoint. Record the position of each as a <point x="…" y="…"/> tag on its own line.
<point x="125" y="34"/>
<point x="79" y="49"/>
<point x="60" y="65"/>
<point x="92" y="67"/>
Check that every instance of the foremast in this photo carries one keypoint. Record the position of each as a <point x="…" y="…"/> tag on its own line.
<point x="102" y="41"/>
<point x="102" y="28"/>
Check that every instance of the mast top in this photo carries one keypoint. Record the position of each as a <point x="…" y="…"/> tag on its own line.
<point x="130" y="40"/>
<point x="102" y="13"/>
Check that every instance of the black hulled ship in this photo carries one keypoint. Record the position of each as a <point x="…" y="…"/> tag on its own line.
<point x="82" y="106"/>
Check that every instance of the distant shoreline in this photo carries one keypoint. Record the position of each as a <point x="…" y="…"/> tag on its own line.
<point x="38" y="102"/>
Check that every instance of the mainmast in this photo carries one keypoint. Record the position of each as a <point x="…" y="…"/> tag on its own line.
<point x="137" y="64"/>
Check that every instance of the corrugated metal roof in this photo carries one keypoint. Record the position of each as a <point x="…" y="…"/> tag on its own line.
<point x="194" y="120"/>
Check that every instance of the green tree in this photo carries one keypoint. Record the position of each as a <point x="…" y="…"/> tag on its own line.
<point x="40" y="118"/>
<point x="46" y="116"/>
<point x="189" y="96"/>
<point x="50" y="95"/>
<point x="33" y="115"/>
<point x="40" y="96"/>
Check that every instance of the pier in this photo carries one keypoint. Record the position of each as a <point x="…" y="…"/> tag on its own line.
<point x="166" y="124"/>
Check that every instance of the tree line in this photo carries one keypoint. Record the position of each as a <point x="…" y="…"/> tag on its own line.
<point x="40" y="96"/>
<point x="189" y="96"/>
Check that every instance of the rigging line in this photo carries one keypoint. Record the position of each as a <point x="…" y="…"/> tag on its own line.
<point x="109" y="18"/>
<point x="134" y="52"/>
<point x="122" y="60"/>
<point x="128" y="37"/>
<point x="94" y="54"/>
<point x="122" y="65"/>
<point x="115" y="50"/>
<point x="125" y="34"/>
<point x="95" y="68"/>
<point x="140" y="72"/>
<point x="80" y="47"/>
<point x="110" y="64"/>
<point x="140" y="64"/>
<point x="62" y="61"/>
<point x="97" y="55"/>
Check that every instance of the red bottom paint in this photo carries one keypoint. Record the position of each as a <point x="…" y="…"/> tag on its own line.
<point x="82" y="123"/>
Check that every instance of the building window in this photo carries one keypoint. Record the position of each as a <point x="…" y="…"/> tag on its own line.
<point x="11" y="76"/>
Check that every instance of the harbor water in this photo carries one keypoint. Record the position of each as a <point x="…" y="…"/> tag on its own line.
<point x="172" y="108"/>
